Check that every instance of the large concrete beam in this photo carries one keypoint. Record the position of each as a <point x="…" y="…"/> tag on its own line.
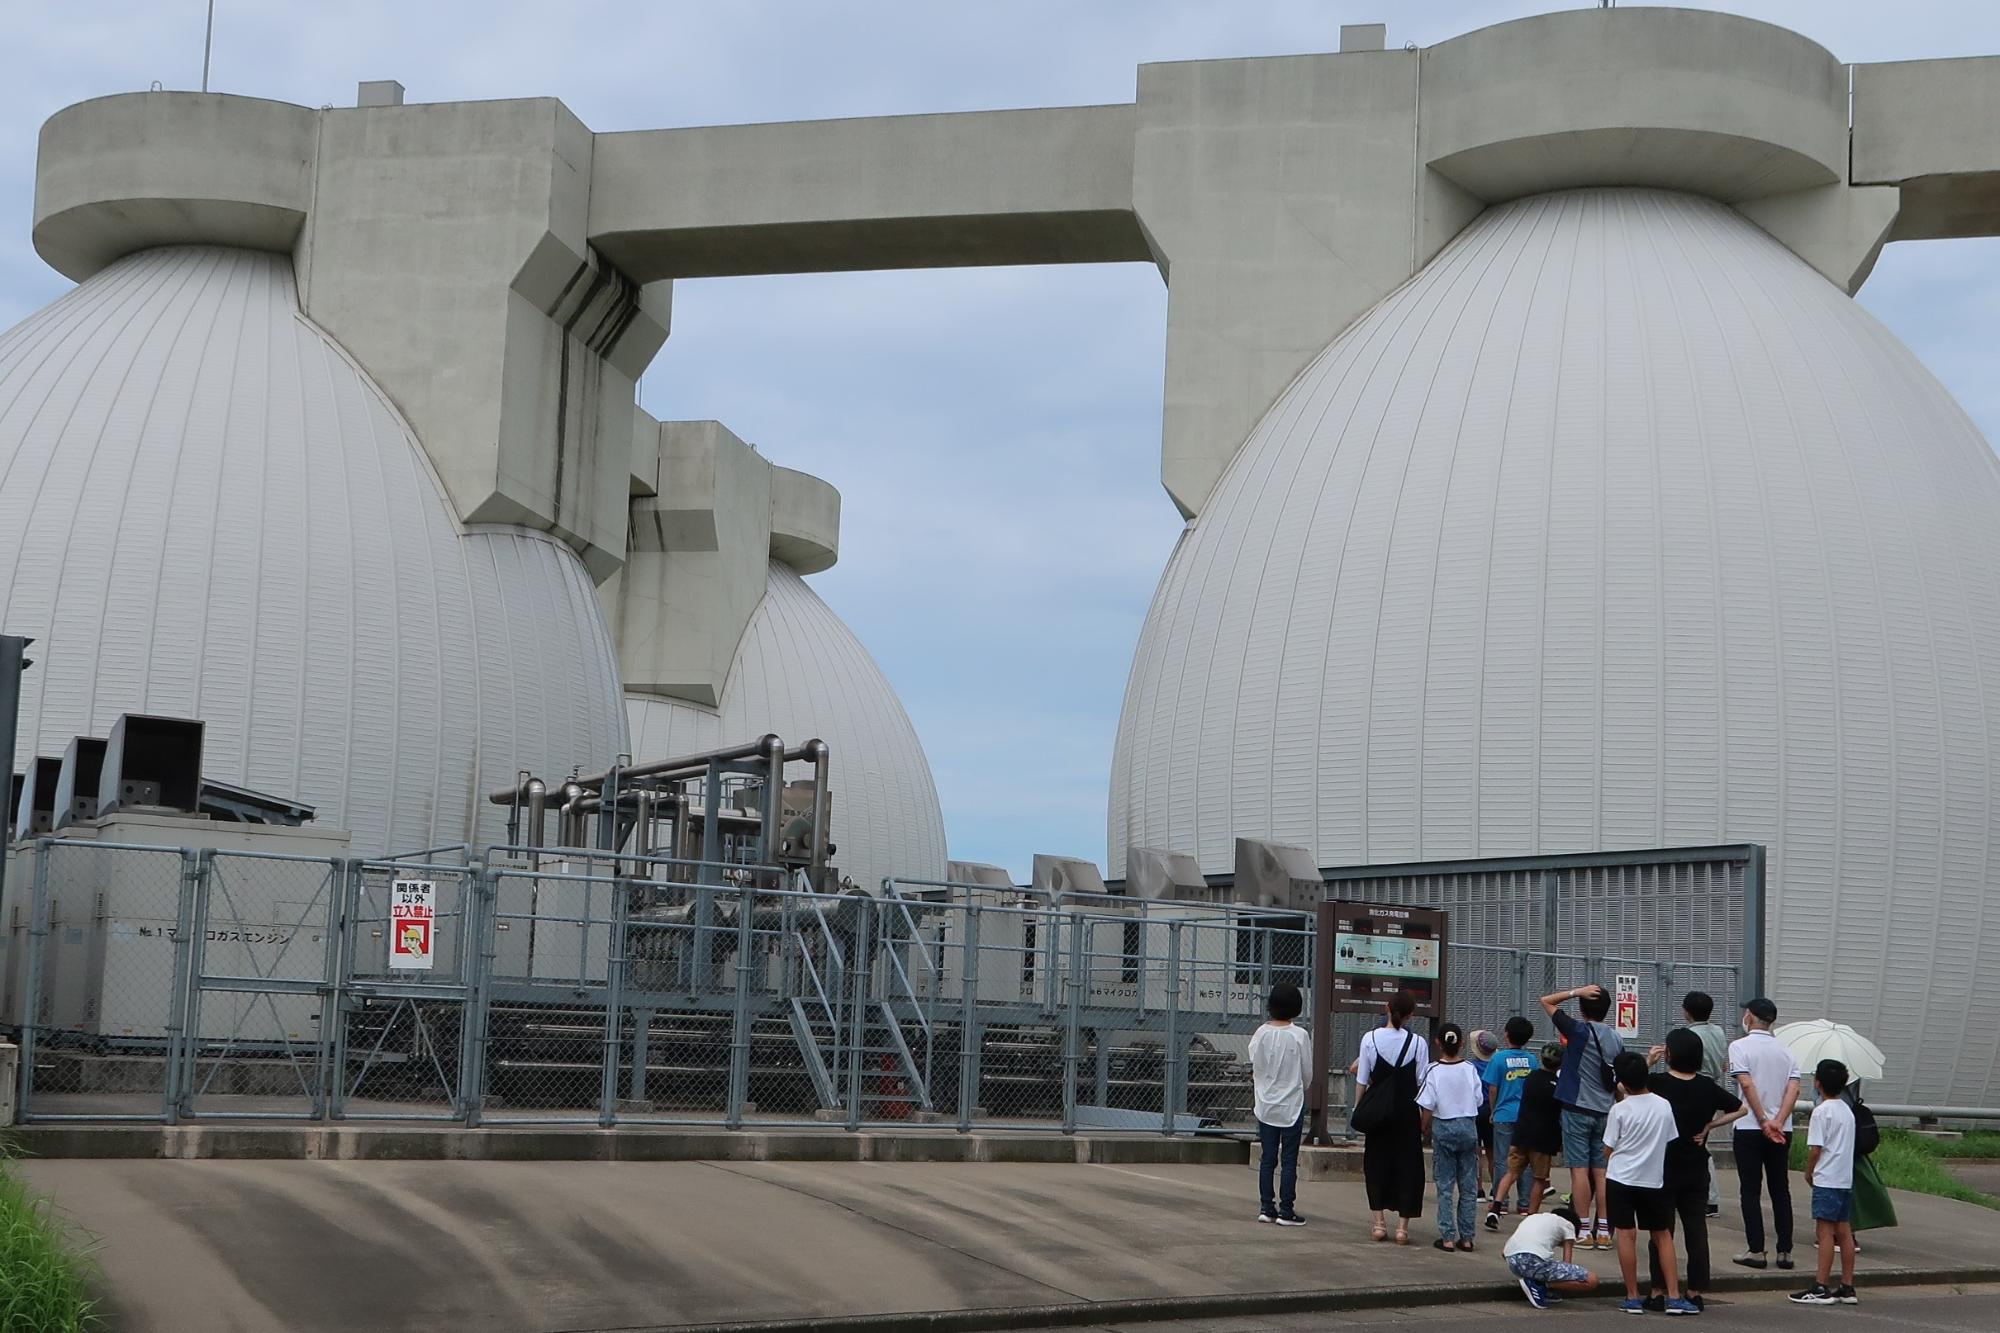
<point x="1931" y="128"/>
<point x="444" y="246"/>
<point x="1048" y="186"/>
<point x="118" y="174"/>
<point x="1283" y="199"/>
<point x="512" y="349"/>
<point x="705" y="526"/>
<point x="1714" y="104"/>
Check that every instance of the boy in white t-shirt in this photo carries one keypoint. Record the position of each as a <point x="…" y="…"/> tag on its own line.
<point x="1280" y="1059"/>
<point x="1636" y="1134"/>
<point x="1531" y="1257"/>
<point x="1830" y="1177"/>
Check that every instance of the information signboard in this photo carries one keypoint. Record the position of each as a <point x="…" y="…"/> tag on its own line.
<point x="1363" y="954"/>
<point x="412" y="919"/>
<point x="1378" y="949"/>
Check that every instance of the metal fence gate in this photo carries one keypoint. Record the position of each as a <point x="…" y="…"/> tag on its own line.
<point x="264" y="952"/>
<point x="405" y="1041"/>
<point x="578" y="987"/>
<point x="1680" y="919"/>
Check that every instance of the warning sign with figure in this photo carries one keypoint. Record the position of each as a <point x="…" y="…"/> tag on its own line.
<point x="412" y="913"/>
<point x="1625" y="1005"/>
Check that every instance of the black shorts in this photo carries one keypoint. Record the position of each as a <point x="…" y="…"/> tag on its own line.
<point x="1634" y="1208"/>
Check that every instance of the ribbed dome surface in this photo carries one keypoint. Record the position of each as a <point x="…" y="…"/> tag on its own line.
<point x="800" y="672"/>
<point x="207" y="511"/>
<point x="1617" y="526"/>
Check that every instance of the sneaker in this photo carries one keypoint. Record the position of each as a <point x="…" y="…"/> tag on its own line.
<point x="1290" y="1220"/>
<point x="1700" y="1303"/>
<point x="1785" y="1259"/>
<point x="1715" y="1210"/>
<point x="1266" y="1215"/>
<point x="1493" y="1220"/>
<point x="1845" y="1295"/>
<point x="1631" y="1305"/>
<point x="1656" y="1305"/>
<point x="1813" y="1295"/>
<point x="1538" y="1295"/>
<point x="1604" y="1240"/>
<point x="1680" y="1305"/>
<point x="1751" y="1259"/>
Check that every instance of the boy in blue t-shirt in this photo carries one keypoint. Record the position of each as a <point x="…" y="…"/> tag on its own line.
<point x="1506" y="1075"/>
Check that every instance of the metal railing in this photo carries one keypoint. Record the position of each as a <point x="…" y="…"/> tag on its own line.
<point x="571" y="986"/>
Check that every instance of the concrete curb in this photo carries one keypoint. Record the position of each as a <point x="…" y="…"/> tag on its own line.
<point x="376" y="1143"/>
<point x="1243" y="1305"/>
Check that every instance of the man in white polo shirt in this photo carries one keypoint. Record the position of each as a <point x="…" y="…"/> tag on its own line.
<point x="1767" y="1074"/>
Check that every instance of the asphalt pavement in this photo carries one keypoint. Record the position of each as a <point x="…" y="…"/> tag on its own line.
<point x="532" y="1247"/>
<point x="1961" y="1309"/>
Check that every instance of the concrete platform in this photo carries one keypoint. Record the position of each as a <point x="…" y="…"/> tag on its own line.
<point x="587" y="1143"/>
<point x="522" y="1247"/>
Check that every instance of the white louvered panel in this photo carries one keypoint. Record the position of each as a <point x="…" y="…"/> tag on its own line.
<point x="1736" y="581"/>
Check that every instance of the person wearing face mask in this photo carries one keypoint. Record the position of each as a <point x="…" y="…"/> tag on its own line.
<point x="1767" y="1074"/>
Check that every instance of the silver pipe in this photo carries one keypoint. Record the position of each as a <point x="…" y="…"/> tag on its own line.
<point x="642" y="828"/>
<point x="538" y="800"/>
<point x="822" y="758"/>
<point x="693" y="765"/>
<point x="1938" y="1112"/>
<point x="774" y="788"/>
<point x="572" y="817"/>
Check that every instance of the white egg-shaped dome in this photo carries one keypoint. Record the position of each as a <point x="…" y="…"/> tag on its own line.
<point x="1617" y="526"/>
<point x="800" y="672"/>
<point x="207" y="510"/>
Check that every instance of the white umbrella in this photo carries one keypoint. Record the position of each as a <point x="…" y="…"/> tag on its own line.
<point x="1818" y="1039"/>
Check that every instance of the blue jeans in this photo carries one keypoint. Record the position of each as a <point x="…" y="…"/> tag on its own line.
<point x="1503" y="1139"/>
<point x="1455" y="1156"/>
<point x="1583" y="1138"/>
<point x="1279" y="1145"/>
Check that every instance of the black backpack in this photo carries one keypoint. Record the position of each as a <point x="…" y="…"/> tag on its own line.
<point x="1867" y="1134"/>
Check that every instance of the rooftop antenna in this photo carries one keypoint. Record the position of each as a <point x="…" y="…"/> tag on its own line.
<point x="207" y="44"/>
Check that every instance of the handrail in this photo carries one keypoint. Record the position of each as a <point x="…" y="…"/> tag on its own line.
<point x="916" y="938"/>
<point x="819" y="987"/>
<point x="917" y="1004"/>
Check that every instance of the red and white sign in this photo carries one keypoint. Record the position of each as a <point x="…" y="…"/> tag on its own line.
<point x="412" y="916"/>
<point x="1625" y="1005"/>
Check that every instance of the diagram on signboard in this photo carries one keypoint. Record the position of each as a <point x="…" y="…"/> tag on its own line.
<point x="1386" y="955"/>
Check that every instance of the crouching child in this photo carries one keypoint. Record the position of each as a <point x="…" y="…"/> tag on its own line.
<point x="1531" y="1257"/>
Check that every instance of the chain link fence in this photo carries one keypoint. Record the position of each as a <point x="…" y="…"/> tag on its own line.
<point x="576" y="987"/>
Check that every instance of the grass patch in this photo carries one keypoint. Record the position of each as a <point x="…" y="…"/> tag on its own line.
<point x="44" y="1278"/>
<point x="1916" y="1163"/>
<point x="1978" y="1143"/>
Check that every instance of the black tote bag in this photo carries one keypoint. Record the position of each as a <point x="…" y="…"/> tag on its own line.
<point x="1375" y="1109"/>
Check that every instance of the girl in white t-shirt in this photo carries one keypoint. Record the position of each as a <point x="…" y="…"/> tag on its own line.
<point x="1450" y="1100"/>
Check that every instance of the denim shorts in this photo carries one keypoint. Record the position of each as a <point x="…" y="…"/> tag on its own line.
<point x="1583" y="1137"/>
<point x="1537" y="1269"/>
<point x="1831" y="1205"/>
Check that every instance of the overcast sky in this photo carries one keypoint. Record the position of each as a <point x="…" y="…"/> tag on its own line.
<point x="994" y="432"/>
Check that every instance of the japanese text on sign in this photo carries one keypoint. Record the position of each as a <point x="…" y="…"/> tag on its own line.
<point x="1626" y="999"/>
<point x="412" y="915"/>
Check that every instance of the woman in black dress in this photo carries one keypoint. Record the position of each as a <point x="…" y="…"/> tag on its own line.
<point x="1392" y="1162"/>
